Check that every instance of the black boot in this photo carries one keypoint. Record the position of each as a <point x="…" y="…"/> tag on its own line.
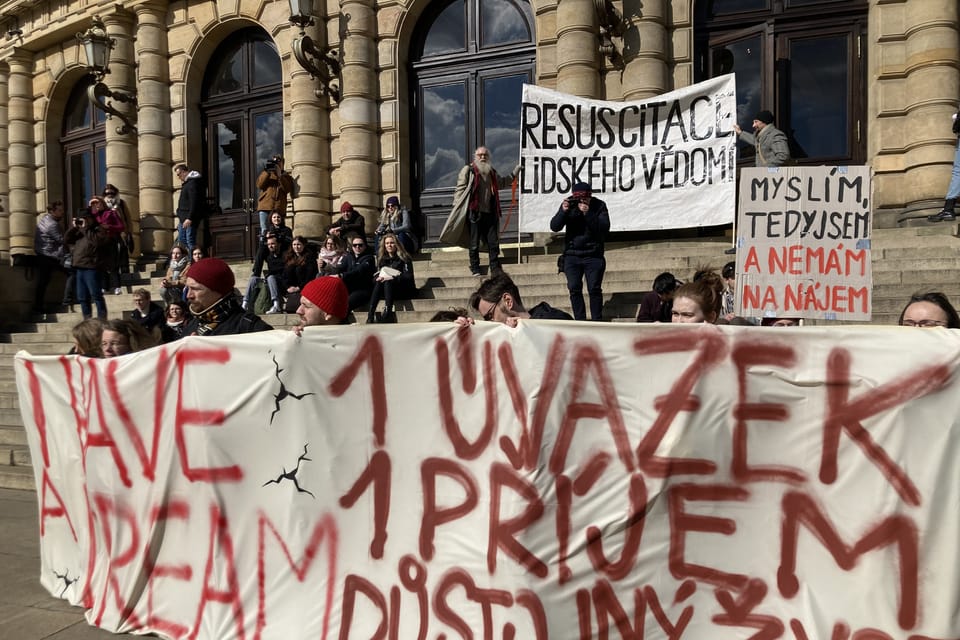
<point x="372" y="316"/>
<point x="947" y="213"/>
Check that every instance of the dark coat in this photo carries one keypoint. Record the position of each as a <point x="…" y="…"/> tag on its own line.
<point x="543" y="311"/>
<point x="88" y="247"/>
<point x="152" y="318"/>
<point x="585" y="232"/>
<point x="232" y="320"/>
<point x="193" y="199"/>
<point x="357" y="271"/>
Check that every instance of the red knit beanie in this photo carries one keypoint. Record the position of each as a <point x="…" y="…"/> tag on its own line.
<point x="213" y="273"/>
<point x="329" y="293"/>
<point x="346" y="206"/>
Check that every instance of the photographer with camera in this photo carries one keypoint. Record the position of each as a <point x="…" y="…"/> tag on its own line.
<point x="274" y="185"/>
<point x="87" y="241"/>
<point x="587" y="222"/>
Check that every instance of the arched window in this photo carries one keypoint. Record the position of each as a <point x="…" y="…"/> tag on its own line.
<point x="84" y="145"/>
<point x="470" y="59"/>
<point x="804" y="60"/>
<point x="242" y="113"/>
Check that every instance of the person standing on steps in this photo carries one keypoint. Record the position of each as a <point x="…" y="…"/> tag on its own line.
<point x="587" y="223"/>
<point x="953" y="189"/>
<point x="476" y="202"/>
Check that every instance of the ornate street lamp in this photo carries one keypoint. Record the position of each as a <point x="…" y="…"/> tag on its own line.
<point x="320" y="64"/>
<point x="97" y="45"/>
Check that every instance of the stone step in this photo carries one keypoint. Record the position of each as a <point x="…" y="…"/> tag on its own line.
<point x="14" y="455"/>
<point x="12" y="433"/>
<point x="20" y="478"/>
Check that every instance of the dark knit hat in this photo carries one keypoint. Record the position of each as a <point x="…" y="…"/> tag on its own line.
<point x="346" y="206"/>
<point x="213" y="273"/>
<point x="581" y="190"/>
<point x="393" y="200"/>
<point x="329" y="293"/>
<point x="765" y="117"/>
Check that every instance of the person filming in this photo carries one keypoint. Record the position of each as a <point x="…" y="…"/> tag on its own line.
<point x="274" y="184"/>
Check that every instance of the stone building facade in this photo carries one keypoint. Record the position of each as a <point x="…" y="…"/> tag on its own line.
<point x="366" y="145"/>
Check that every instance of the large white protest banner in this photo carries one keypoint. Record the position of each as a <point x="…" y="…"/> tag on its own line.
<point x="555" y="480"/>
<point x="803" y="238"/>
<point x="667" y="162"/>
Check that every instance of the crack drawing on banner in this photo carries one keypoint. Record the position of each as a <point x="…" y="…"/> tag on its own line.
<point x="67" y="582"/>
<point x="282" y="395"/>
<point x="292" y="475"/>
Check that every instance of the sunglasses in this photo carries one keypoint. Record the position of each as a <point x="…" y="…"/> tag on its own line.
<point x="359" y="244"/>
<point x="109" y="193"/>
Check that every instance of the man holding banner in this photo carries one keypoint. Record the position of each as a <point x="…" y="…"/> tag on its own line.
<point x="771" y="143"/>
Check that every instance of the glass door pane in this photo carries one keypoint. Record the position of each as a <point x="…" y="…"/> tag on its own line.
<point x="445" y="144"/>
<point x="501" y="119"/>
<point x="80" y="180"/>
<point x="227" y="165"/>
<point x="819" y="92"/>
<point x="268" y="140"/>
<point x="744" y="55"/>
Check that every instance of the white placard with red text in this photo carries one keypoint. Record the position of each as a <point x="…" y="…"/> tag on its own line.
<point x="557" y="480"/>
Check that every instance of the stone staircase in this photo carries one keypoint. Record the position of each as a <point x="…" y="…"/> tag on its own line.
<point x="905" y="260"/>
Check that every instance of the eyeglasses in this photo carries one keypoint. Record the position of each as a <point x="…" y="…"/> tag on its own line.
<point x="924" y="324"/>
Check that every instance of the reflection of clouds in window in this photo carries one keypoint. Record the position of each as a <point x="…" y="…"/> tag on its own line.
<point x="504" y="146"/>
<point x="227" y="77"/>
<point x="447" y="31"/>
<point x="442" y="168"/>
<point x="266" y="64"/>
<point x="443" y="110"/>
<point x="502" y="23"/>
<point x="269" y="136"/>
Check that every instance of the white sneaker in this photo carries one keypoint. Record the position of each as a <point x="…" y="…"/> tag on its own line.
<point x="118" y="291"/>
<point x="274" y="309"/>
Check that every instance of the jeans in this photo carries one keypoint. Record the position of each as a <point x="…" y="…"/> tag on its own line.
<point x="263" y="222"/>
<point x="88" y="286"/>
<point x="953" y="191"/>
<point x="485" y="229"/>
<point x="187" y="236"/>
<point x="591" y="268"/>
<point x="273" y="284"/>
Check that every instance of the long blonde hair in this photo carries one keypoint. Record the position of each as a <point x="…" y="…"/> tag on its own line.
<point x="382" y="251"/>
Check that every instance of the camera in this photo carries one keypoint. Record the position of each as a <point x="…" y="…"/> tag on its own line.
<point x="270" y="166"/>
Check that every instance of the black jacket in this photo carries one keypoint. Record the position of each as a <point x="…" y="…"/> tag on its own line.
<point x="152" y="318"/>
<point x="586" y="232"/>
<point x="273" y="261"/>
<point x="193" y="199"/>
<point x="543" y="311"/>
<point x="357" y="271"/>
<point x="226" y="318"/>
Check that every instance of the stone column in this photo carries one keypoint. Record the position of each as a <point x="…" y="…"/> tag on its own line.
<point x="913" y="64"/>
<point x="645" y="48"/>
<point x="121" y="149"/>
<point x="359" y="171"/>
<point x="4" y="166"/>
<point x="22" y="187"/>
<point x="309" y="158"/>
<point x="578" y="55"/>
<point x="930" y="91"/>
<point x="156" y="216"/>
